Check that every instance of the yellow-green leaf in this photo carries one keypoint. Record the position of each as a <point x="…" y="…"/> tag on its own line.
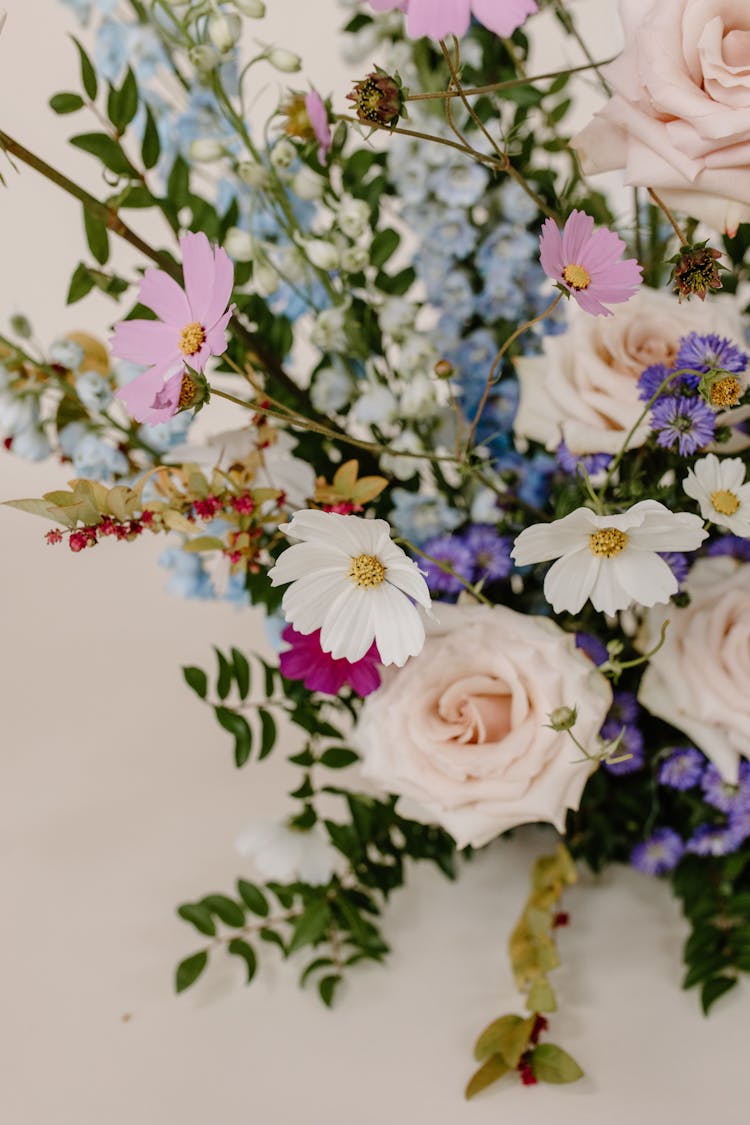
<point x="541" y="998"/>
<point x="490" y="1071"/>
<point x="551" y="1064"/>
<point x="508" y="1036"/>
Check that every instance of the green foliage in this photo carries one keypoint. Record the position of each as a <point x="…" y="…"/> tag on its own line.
<point x="66" y="103"/>
<point x="88" y="74"/>
<point x="189" y="970"/>
<point x="551" y="1064"/>
<point x="122" y="103"/>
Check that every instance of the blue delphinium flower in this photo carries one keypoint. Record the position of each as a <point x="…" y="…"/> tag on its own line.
<point x="687" y="423"/>
<point x="96" y="459"/>
<point x="710" y="353"/>
<point x="490" y="552"/>
<point x="631" y="743"/>
<point x="593" y="463"/>
<point x="67" y="354"/>
<point x="659" y="854"/>
<point x="452" y="233"/>
<point x="94" y="391"/>
<point x="166" y="435"/>
<point x="189" y="578"/>
<point x="451" y="550"/>
<point x="418" y="517"/>
<point x="712" y="839"/>
<point x="459" y="182"/>
<point x="721" y="794"/>
<point x="683" y="769"/>
<point x="677" y="563"/>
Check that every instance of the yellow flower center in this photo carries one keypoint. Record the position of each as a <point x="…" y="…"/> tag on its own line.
<point x="187" y="392"/>
<point x="725" y="502"/>
<point x="577" y="277"/>
<point x="726" y="392"/>
<point x="192" y="338"/>
<point x="608" y="542"/>
<point x="367" y="571"/>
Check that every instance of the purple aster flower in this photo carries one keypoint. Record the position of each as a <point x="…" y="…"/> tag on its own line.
<point x="739" y="825"/>
<point x="677" y="563"/>
<point x="448" y="549"/>
<point x="659" y="854"/>
<point x="730" y="545"/>
<point x="652" y="379"/>
<point x="712" y="839"/>
<point x="688" y="423"/>
<point x="710" y="353"/>
<point x="631" y="743"/>
<point x="682" y="769"/>
<point x="595" y="649"/>
<point x="724" y="796"/>
<point x="593" y="463"/>
<point x="625" y="708"/>
<point x="490" y="552"/>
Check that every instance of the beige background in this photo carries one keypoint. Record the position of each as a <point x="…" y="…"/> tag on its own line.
<point x="118" y="800"/>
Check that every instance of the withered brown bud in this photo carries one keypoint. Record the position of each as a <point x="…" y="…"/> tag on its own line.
<point x="696" y="271"/>
<point x="379" y="99"/>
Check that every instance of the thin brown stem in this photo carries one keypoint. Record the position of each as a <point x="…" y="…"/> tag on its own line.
<point x="499" y="87"/>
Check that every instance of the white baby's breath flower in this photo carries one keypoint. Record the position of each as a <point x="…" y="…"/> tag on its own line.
<point x="721" y="491"/>
<point x="255" y="9"/>
<point x="353" y="217"/>
<point x="240" y="244"/>
<point x="287" y="854"/>
<point x="322" y="254"/>
<point x="206" y="149"/>
<point x="224" y="30"/>
<point x="285" y="61"/>
<point x="252" y="174"/>
<point x="611" y="560"/>
<point x="283" y="153"/>
<point x="350" y="580"/>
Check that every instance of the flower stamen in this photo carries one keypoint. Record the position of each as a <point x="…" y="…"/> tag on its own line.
<point x="577" y="277"/>
<point x="367" y="571"/>
<point x="608" y="542"/>
<point x="192" y="338"/>
<point x="725" y="502"/>
<point x="726" y="392"/>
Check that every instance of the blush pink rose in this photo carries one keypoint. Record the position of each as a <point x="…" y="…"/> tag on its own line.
<point x="698" y="679"/>
<point x="462" y="729"/>
<point x="679" y="118"/>
<point x="583" y="389"/>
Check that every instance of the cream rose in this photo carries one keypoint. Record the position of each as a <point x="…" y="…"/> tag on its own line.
<point x="679" y="120"/>
<point x="583" y="389"/>
<point x="698" y="681"/>
<point x="462" y="729"/>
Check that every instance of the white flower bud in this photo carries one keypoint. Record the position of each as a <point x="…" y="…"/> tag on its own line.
<point x="204" y="57"/>
<point x="255" y="9"/>
<point x="265" y="279"/>
<point x="354" y="259"/>
<point x="205" y="149"/>
<point x="240" y="245"/>
<point x="285" y="61"/>
<point x="353" y="217"/>
<point x="321" y="253"/>
<point x="252" y="174"/>
<point x="308" y="184"/>
<point x="224" y="30"/>
<point x="283" y="154"/>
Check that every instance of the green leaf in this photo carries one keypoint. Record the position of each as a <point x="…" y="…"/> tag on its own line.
<point x="151" y="147"/>
<point x="189" y="970"/>
<point x="508" y="1036"/>
<point x="224" y="681"/>
<point x="253" y="898"/>
<point x="311" y="926"/>
<point x="490" y="1071"/>
<point x="107" y="150"/>
<point x="96" y="236"/>
<point x="338" y="757"/>
<point x="238" y="726"/>
<point x="230" y="912"/>
<point x="327" y="987"/>
<point x="81" y="283"/>
<point x="88" y="74"/>
<point x="267" y="733"/>
<point x="551" y="1064"/>
<point x="384" y="245"/>
<point x="66" y="103"/>
<point x="541" y="998"/>
<point x="241" y="672"/>
<point x="240" y="948"/>
<point x="178" y="184"/>
<point x="318" y="963"/>
<point x="196" y="679"/>
<point x="713" y="989"/>
<point x="122" y="104"/>
<point x="199" y="916"/>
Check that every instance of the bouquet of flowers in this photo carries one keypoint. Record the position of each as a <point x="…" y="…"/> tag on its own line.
<point x="488" y="472"/>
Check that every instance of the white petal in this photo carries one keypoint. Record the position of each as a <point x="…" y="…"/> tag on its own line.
<point x="307" y="601"/>
<point x="608" y="595"/>
<point x="570" y="580"/>
<point x="677" y="531"/>
<point x="399" y="629"/>
<point x="348" y="629"/>
<point x="302" y="558"/>
<point x="645" y="577"/>
<point x="408" y="577"/>
<point x="545" y="541"/>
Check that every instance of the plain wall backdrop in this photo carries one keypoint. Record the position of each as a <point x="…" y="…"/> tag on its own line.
<point x="118" y="799"/>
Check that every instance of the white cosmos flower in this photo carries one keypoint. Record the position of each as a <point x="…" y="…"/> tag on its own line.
<point x="721" y="491"/>
<point x="351" y="581"/>
<point x="285" y="853"/>
<point x="612" y="560"/>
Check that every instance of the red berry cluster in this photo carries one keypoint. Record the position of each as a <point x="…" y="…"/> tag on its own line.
<point x="525" y="1066"/>
<point x="89" y="536"/>
<point x="343" y="508"/>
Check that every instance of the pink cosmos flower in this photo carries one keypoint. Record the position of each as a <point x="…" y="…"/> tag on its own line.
<point x="438" y="18"/>
<point x="318" y="115"/>
<point x="306" y="661"/>
<point x="191" y="328"/>
<point x="588" y="263"/>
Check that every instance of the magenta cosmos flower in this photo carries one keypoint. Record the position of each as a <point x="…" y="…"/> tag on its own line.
<point x="318" y="115"/>
<point x="588" y="263"/>
<point x="191" y="328"/>
<point x="438" y="18"/>
<point x="305" y="660"/>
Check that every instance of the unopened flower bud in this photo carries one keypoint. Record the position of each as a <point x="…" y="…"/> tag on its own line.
<point x="255" y="9"/>
<point x="252" y="174"/>
<point x="563" y="718"/>
<point x="204" y="57"/>
<point x="696" y="271"/>
<point x="265" y="279"/>
<point x="285" y="61"/>
<point x="444" y="369"/>
<point x="308" y="184"/>
<point x="205" y="149"/>
<point x="224" y="30"/>
<point x="240" y="245"/>
<point x="322" y="254"/>
<point x="283" y="154"/>
<point x="379" y="99"/>
<point x="354" y="259"/>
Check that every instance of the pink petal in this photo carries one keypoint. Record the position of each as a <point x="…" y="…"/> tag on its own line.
<point x="141" y="394"/>
<point x="161" y="293"/>
<point x="577" y="232"/>
<point x="589" y="303"/>
<point x="438" y="18"/>
<point x="144" y="341"/>
<point x="222" y="288"/>
<point x="550" y="250"/>
<point x="318" y="115"/>
<point x="215" y="343"/>
<point x="198" y="268"/>
<point x="503" y="16"/>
